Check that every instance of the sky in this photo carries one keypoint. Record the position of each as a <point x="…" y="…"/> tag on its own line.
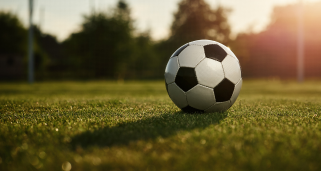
<point x="62" y="17"/>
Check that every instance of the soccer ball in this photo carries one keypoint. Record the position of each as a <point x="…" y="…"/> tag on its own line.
<point x="203" y="76"/>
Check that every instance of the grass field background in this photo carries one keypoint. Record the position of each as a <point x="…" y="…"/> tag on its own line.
<point x="274" y="125"/>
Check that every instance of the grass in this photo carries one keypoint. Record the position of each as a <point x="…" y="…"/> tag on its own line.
<point x="274" y="125"/>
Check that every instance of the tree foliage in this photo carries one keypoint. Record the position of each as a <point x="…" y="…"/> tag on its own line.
<point x="273" y="52"/>
<point x="13" y="42"/>
<point x="12" y="34"/>
<point x="195" y="20"/>
<point x="106" y="46"/>
<point x="103" y="43"/>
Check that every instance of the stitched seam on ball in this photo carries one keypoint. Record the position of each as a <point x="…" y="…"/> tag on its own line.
<point x="205" y="86"/>
<point x="223" y="69"/>
<point x="238" y="81"/>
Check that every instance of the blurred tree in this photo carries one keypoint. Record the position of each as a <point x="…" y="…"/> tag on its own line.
<point x="195" y="20"/>
<point x="47" y="54"/>
<point x="13" y="46"/>
<point x="104" y="46"/>
<point x="272" y="52"/>
<point x="12" y="34"/>
<point x="146" y="61"/>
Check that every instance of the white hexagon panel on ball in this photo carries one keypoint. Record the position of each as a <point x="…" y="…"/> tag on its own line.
<point x="209" y="72"/>
<point x="200" y="97"/>
<point x="177" y="95"/>
<point x="232" y="69"/>
<point x="191" y="56"/>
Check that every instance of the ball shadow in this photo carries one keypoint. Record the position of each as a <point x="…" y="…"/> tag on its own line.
<point x="146" y="129"/>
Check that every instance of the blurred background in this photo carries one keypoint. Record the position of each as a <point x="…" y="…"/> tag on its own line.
<point x="133" y="39"/>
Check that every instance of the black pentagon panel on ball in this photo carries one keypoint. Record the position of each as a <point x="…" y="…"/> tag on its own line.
<point x="179" y="50"/>
<point x="224" y="90"/>
<point x="189" y="109"/>
<point x="215" y="52"/>
<point x="186" y="78"/>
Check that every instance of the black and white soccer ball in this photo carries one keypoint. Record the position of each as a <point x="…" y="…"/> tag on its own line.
<point x="203" y="76"/>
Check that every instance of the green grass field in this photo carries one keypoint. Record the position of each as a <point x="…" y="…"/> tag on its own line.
<point x="274" y="125"/>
